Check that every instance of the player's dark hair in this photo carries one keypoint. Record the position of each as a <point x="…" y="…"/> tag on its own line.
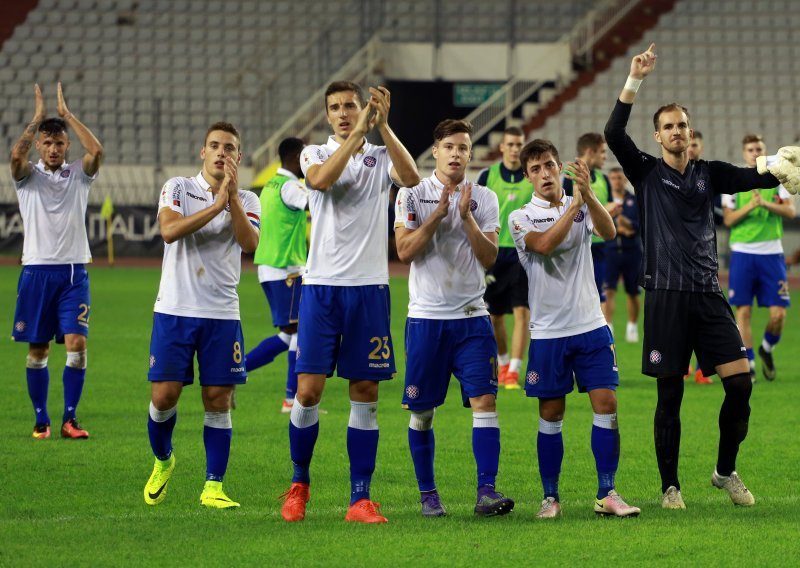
<point x="450" y="126"/>
<point x="513" y="131"/>
<point x="697" y="134"/>
<point x="340" y="86"/>
<point x="669" y="107"/>
<point x="536" y="148"/>
<point x="53" y="126"/>
<point x="225" y="127"/>
<point x="750" y="138"/>
<point x="289" y="147"/>
<point x="589" y="141"/>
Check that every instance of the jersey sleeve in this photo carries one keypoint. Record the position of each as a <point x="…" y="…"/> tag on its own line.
<point x="519" y="225"/>
<point x="172" y="196"/>
<point x="312" y="156"/>
<point x="489" y="221"/>
<point x="252" y="207"/>
<point x="728" y="201"/>
<point x="483" y="177"/>
<point x="21" y="183"/>
<point x="405" y="209"/>
<point x="294" y="195"/>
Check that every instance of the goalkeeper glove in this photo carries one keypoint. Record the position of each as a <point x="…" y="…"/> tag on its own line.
<point x="785" y="166"/>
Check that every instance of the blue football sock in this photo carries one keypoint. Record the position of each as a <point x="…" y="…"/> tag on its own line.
<point x="265" y="352"/>
<point x="303" y="432"/>
<point x="160" y="424"/>
<point x="751" y="356"/>
<point x="605" y="447"/>
<point x="291" y="376"/>
<point x="550" y="453"/>
<point x="486" y="446"/>
<point x="38" y="383"/>
<point x="422" y="444"/>
<point x="770" y="341"/>
<point x="73" y="387"/>
<point x="362" y="447"/>
<point x="217" y="435"/>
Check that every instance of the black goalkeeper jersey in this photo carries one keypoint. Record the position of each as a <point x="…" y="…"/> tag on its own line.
<point x="677" y="210"/>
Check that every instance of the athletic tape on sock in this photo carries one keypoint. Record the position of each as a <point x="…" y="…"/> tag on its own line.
<point x="304" y="416"/>
<point x="162" y="415"/>
<point x="485" y="420"/>
<point x="76" y="359"/>
<point x="546" y="427"/>
<point x="421" y="420"/>
<point x="220" y="420"/>
<point x="32" y="363"/>
<point x="363" y="415"/>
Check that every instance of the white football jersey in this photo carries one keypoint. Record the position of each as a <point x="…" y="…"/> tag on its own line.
<point x="349" y="230"/>
<point x="53" y="209"/>
<point x="201" y="271"/>
<point x="562" y="294"/>
<point x="446" y="280"/>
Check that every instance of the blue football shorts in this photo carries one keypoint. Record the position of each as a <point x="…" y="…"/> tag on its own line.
<point x="588" y="357"/>
<point x="218" y="344"/>
<point x="284" y="300"/>
<point x="761" y="276"/>
<point x="52" y="301"/>
<point x="435" y="349"/>
<point x="345" y="329"/>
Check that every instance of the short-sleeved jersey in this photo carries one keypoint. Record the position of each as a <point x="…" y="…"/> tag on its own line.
<point x="53" y="209"/>
<point x="446" y="279"/>
<point x="760" y="231"/>
<point x="562" y="293"/>
<point x="201" y="271"/>
<point x="349" y="240"/>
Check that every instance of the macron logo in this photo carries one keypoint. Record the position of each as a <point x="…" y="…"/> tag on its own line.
<point x="545" y="220"/>
<point x="670" y="183"/>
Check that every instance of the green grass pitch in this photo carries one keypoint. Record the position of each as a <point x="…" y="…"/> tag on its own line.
<point x="79" y="503"/>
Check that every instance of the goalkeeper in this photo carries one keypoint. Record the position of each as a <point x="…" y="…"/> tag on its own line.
<point x="684" y="308"/>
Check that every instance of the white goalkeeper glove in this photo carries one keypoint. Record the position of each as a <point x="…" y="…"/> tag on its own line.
<point x="785" y="166"/>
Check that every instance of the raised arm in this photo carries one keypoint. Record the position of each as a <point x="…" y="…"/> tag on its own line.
<point x="404" y="169"/>
<point x="20" y="167"/>
<point x="410" y="242"/>
<point x="632" y="160"/>
<point x="94" y="150"/>
<point x="484" y="245"/>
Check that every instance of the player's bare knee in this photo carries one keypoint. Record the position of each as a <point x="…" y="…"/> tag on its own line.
<point x="75" y="342"/>
<point x="483" y="403"/>
<point x="289" y="329"/>
<point x="552" y="409"/>
<point x="39" y="350"/>
<point x="364" y="391"/>
<point x="422" y="420"/>
<point x="217" y="398"/>
<point x="77" y="359"/>
<point x="165" y="395"/>
<point x="776" y="318"/>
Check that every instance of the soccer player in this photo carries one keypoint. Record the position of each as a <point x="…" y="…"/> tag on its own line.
<point x="624" y="253"/>
<point x="447" y="225"/>
<point x="344" y="315"/>
<point x="507" y="292"/>
<point x="592" y="151"/>
<point x="696" y="146"/>
<point x="281" y="259"/>
<point x="758" y="268"/>
<point x="206" y="222"/>
<point x="570" y="338"/>
<point x="685" y="310"/>
<point x="53" y="288"/>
